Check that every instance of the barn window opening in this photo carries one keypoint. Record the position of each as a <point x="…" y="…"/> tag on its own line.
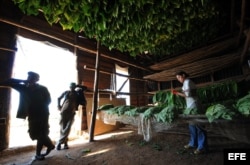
<point x="122" y="83"/>
<point x="56" y="67"/>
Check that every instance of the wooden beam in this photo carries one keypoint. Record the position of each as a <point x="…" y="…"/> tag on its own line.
<point x="242" y="19"/>
<point x="246" y="46"/>
<point x="232" y="15"/>
<point x="7" y="49"/>
<point x="120" y="93"/>
<point x="19" y="25"/>
<point x="110" y="73"/>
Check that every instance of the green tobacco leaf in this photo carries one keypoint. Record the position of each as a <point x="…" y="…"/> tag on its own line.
<point x="134" y="26"/>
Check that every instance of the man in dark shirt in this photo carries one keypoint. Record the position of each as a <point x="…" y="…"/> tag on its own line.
<point x="34" y="104"/>
<point x="72" y="98"/>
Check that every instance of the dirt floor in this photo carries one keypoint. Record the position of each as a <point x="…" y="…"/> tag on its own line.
<point x="125" y="147"/>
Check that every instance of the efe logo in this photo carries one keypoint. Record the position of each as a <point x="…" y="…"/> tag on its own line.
<point x="237" y="156"/>
<point x="241" y="156"/>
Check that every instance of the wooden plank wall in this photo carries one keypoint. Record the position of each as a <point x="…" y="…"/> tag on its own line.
<point x="7" y="54"/>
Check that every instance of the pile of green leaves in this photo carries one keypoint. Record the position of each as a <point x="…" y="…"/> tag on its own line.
<point x="119" y="110"/>
<point x="167" y="114"/>
<point x="243" y="105"/>
<point x="151" y="111"/>
<point x="167" y="108"/>
<point x="162" y="98"/>
<point x="160" y="27"/>
<point x="216" y="93"/>
<point x="166" y="98"/>
<point x="219" y="111"/>
<point x="136" y="111"/>
<point x="132" y="112"/>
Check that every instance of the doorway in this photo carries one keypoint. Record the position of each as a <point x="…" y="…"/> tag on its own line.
<point x="56" y="67"/>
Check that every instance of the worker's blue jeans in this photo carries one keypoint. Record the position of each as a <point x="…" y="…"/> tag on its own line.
<point x="198" y="137"/>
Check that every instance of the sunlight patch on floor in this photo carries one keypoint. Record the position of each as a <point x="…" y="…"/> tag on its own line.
<point x="111" y="134"/>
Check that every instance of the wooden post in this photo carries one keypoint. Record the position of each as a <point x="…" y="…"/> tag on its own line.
<point x="95" y="95"/>
<point x="242" y="18"/>
<point x="246" y="47"/>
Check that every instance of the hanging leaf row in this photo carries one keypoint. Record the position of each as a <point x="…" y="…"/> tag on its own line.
<point x="159" y="27"/>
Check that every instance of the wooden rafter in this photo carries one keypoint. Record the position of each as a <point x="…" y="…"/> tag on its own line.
<point x="246" y="46"/>
<point x="242" y="20"/>
<point x="195" y="55"/>
<point x="198" y="68"/>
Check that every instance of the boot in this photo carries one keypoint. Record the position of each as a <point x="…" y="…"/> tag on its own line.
<point x="66" y="146"/>
<point x="58" y="146"/>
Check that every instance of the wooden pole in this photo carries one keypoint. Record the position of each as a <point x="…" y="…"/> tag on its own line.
<point x="95" y="96"/>
<point x="246" y="47"/>
<point x="242" y="18"/>
<point x="7" y="49"/>
<point x="232" y="16"/>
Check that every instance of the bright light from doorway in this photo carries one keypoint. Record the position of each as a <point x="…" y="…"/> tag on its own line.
<point x="122" y="83"/>
<point x="56" y="67"/>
